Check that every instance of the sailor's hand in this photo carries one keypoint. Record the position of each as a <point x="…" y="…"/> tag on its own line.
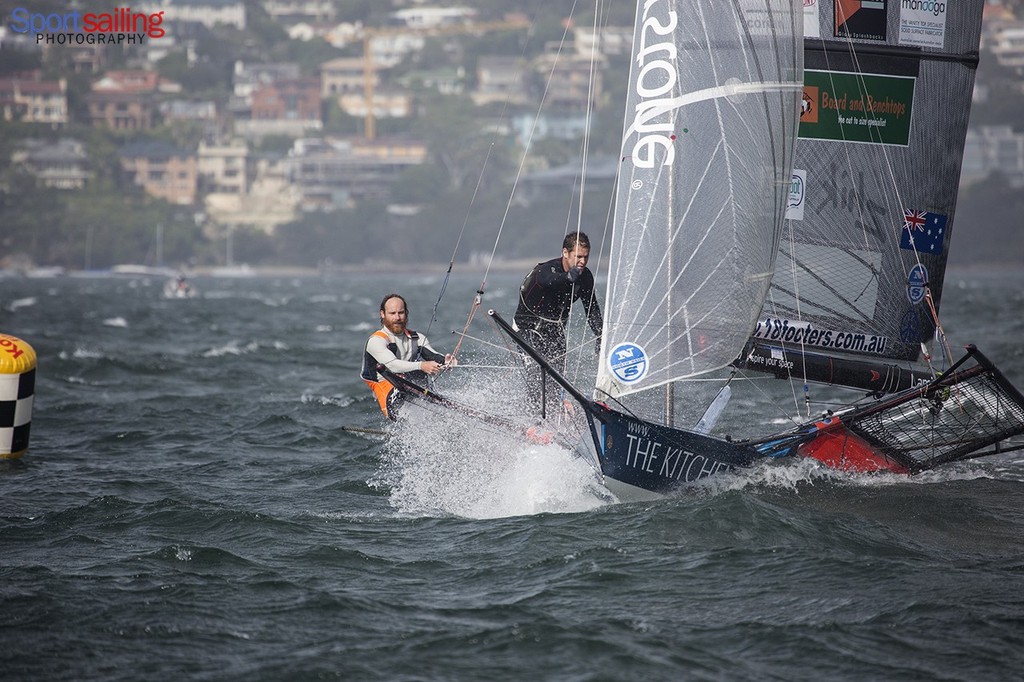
<point x="431" y="367"/>
<point x="574" y="274"/>
<point x="450" y="361"/>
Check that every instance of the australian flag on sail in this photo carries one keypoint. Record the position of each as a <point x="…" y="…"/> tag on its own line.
<point x="923" y="231"/>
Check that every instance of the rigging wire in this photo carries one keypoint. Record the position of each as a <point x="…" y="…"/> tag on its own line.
<point x="477" y="299"/>
<point x="451" y="263"/>
<point x="585" y="157"/>
<point x="526" y="149"/>
<point x="899" y="208"/>
<point x="455" y="250"/>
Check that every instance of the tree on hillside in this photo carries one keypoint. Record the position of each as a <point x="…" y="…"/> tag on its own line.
<point x="459" y="145"/>
<point x="31" y="216"/>
<point x="204" y="78"/>
<point x="340" y="237"/>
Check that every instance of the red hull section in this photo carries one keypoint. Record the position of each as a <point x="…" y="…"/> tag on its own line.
<point x="838" y="448"/>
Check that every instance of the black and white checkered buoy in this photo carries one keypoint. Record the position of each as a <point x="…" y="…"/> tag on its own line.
<point x="17" y="388"/>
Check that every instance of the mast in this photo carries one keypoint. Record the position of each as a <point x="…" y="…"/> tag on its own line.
<point x="670" y="388"/>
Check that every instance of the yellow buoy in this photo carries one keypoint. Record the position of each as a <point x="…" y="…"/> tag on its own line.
<point x="17" y="388"/>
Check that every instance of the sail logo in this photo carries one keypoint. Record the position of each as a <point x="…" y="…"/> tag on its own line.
<point x="797" y="195"/>
<point x="928" y="6"/>
<point x="655" y="81"/>
<point x="628" y="362"/>
<point x="917" y="283"/>
<point x="857" y="107"/>
<point x="804" y="333"/>
<point x="809" y="105"/>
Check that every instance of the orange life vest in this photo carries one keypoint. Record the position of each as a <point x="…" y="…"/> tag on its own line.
<point x="388" y="397"/>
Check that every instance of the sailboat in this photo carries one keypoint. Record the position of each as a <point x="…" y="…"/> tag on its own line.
<point x="705" y="171"/>
<point x="739" y="249"/>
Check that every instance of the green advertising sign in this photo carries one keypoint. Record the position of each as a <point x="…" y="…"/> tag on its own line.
<point x="851" y="107"/>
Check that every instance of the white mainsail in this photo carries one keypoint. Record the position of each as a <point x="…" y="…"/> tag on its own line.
<point x="711" y="121"/>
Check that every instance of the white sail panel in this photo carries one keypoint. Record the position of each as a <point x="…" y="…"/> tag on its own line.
<point x="710" y="125"/>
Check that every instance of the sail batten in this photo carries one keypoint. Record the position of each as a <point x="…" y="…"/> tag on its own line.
<point x="724" y="91"/>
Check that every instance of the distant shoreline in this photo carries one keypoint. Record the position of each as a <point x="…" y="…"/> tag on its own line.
<point x="517" y="266"/>
<point x="243" y="271"/>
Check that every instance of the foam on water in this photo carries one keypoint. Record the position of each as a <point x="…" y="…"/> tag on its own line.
<point x="80" y="353"/>
<point x="231" y="348"/>
<point x="309" y="397"/>
<point x="22" y="303"/>
<point x="179" y="516"/>
<point x="792" y="473"/>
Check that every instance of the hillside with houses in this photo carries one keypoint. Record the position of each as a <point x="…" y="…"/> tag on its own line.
<point x="332" y="133"/>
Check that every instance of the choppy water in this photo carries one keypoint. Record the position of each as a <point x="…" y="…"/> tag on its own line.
<point x="193" y="507"/>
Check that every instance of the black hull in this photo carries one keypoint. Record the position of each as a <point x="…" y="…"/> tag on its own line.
<point x="659" y="458"/>
<point x="873" y="376"/>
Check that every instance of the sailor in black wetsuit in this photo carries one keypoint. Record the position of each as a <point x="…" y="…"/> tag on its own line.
<point x="546" y="297"/>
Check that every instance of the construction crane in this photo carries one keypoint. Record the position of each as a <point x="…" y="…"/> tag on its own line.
<point x="370" y="127"/>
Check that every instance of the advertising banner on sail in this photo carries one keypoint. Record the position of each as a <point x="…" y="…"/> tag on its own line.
<point x="812" y="21"/>
<point x="862" y="19"/>
<point x="923" y="23"/>
<point x="850" y="107"/>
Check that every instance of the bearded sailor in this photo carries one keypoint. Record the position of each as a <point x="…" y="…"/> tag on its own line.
<point x="400" y="350"/>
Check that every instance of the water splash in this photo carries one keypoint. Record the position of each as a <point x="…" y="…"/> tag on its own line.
<point x="439" y="463"/>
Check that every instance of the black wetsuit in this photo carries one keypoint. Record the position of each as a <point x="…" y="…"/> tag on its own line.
<point x="545" y="298"/>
